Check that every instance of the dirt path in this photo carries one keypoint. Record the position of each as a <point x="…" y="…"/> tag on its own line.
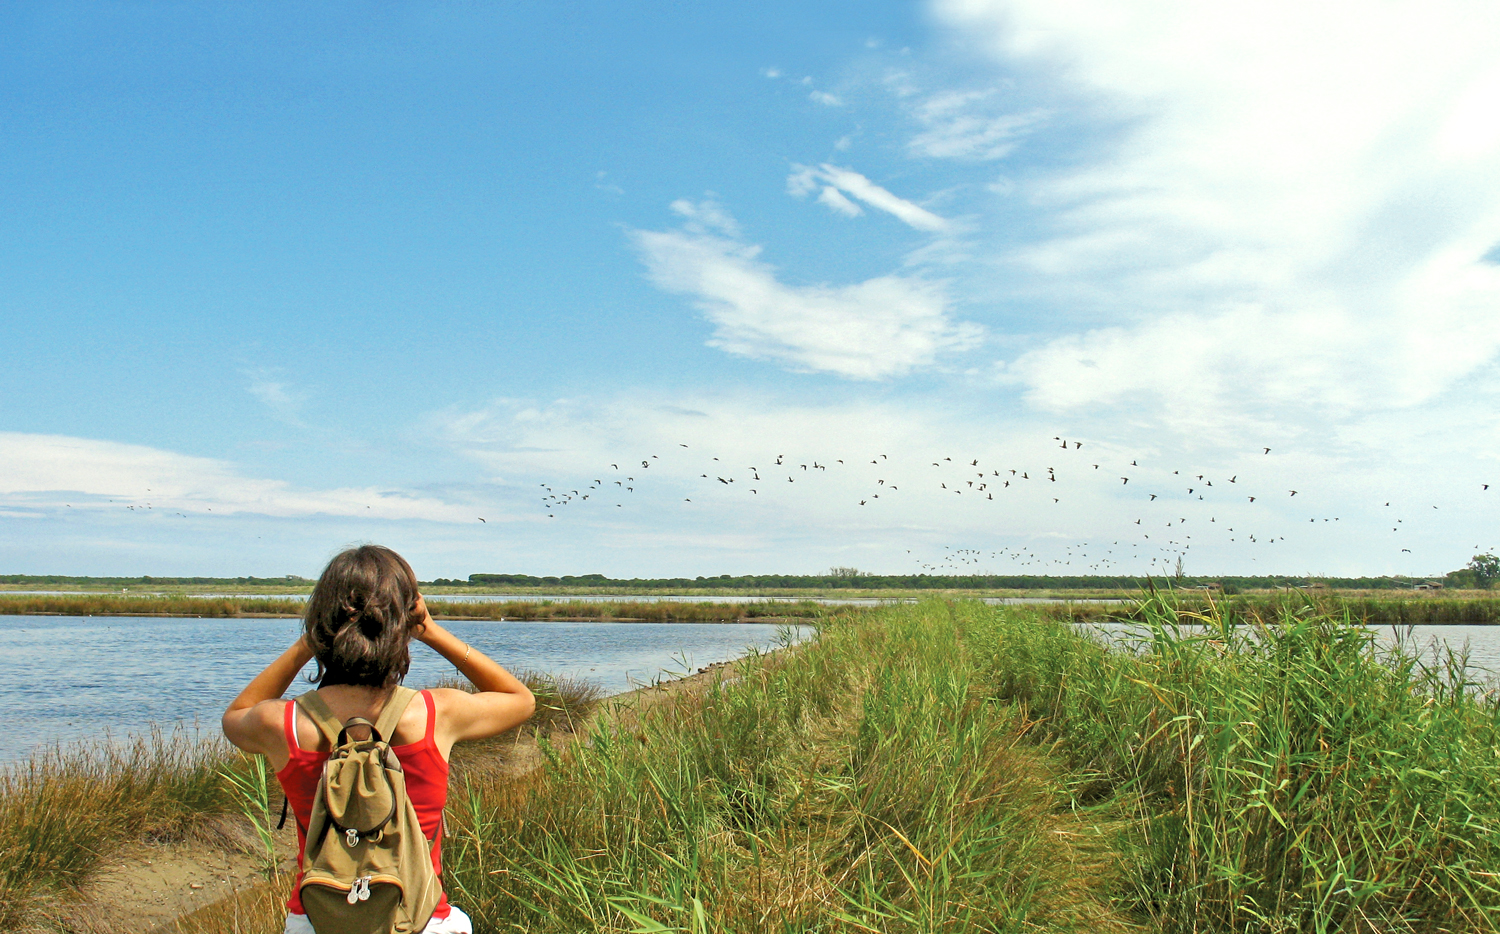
<point x="145" y="888"/>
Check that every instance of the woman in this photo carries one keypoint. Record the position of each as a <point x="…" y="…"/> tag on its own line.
<point x="360" y="621"/>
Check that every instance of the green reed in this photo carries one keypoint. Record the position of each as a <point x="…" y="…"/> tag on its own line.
<point x="856" y="782"/>
<point x="1412" y="610"/>
<point x="1281" y="770"/>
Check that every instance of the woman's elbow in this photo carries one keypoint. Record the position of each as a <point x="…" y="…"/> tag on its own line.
<point x="236" y="729"/>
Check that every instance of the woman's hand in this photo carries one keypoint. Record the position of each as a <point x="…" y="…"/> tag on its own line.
<point x="424" y="627"/>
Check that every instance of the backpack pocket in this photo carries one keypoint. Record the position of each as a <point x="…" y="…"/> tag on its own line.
<point x="369" y="906"/>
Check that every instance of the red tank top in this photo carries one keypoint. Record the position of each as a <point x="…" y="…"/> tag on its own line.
<point x="426" y="785"/>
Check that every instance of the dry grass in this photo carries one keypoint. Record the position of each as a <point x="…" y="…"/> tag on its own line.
<point x="62" y="810"/>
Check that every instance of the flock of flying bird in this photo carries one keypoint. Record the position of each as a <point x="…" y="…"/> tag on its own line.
<point x="1177" y="508"/>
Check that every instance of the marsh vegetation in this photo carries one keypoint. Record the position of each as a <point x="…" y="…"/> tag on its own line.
<point x="952" y="766"/>
<point x="231" y="607"/>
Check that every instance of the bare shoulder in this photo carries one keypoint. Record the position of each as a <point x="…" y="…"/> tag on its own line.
<point x="463" y="716"/>
<point x="256" y="728"/>
<point x="267" y="716"/>
<point x="446" y="701"/>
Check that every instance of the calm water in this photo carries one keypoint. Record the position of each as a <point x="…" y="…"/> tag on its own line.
<point x="68" y="678"/>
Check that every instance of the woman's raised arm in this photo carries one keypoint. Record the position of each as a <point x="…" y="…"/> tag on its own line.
<point x="251" y="726"/>
<point x="502" y="702"/>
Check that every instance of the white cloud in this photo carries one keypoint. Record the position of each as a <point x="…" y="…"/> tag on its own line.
<point x="1290" y="216"/>
<point x="805" y="179"/>
<point x="57" y="470"/>
<point x="706" y="215"/>
<point x="882" y="327"/>
<point x="835" y="200"/>
<point x="826" y="99"/>
<point x="275" y="395"/>
<point x="771" y="72"/>
<point x="960" y="125"/>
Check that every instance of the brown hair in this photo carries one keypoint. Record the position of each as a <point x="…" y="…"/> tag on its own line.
<point x="360" y="616"/>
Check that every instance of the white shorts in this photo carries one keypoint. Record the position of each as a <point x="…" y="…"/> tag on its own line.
<point x="456" y="923"/>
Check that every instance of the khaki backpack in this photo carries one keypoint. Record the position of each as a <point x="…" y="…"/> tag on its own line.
<point x="367" y="867"/>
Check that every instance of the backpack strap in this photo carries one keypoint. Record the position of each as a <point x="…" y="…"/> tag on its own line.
<point x="322" y="716"/>
<point x="332" y="727"/>
<point x="385" y="724"/>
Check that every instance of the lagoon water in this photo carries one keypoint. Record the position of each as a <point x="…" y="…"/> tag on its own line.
<point x="66" y="678"/>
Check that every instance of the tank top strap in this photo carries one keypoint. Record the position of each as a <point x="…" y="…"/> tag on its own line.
<point x="431" y="716"/>
<point x="289" y="727"/>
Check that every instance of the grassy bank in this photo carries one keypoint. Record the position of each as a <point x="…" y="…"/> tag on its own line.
<point x="1279" y="775"/>
<point x="232" y="607"/>
<point x="961" y="767"/>
<point x="860" y="782"/>
<point x="63" y="811"/>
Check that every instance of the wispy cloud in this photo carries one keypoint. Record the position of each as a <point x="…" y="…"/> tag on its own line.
<point x="826" y="99"/>
<point x="1271" y="228"/>
<point x="964" y="125"/>
<point x="85" y="473"/>
<point x="882" y="327"/>
<point x="835" y="199"/>
<point x="275" y="395"/>
<point x="806" y="179"/>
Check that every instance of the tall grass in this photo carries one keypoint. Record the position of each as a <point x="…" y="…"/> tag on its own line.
<point x="62" y="810"/>
<point x="646" y="611"/>
<point x="152" y="605"/>
<point x="1282" y="772"/>
<point x="857" y="782"/>
<point x="962" y="767"/>
<point x="1413" y="610"/>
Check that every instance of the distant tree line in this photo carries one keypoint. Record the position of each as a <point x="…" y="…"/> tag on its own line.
<point x="866" y="581"/>
<point x="1483" y="571"/>
<point x="291" y="579"/>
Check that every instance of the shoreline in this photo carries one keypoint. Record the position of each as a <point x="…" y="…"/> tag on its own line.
<point x="150" y="887"/>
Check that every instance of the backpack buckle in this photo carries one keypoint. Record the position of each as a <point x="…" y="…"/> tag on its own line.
<point x="351" y="838"/>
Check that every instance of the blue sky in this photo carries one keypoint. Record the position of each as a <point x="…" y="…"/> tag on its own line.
<point x="277" y="279"/>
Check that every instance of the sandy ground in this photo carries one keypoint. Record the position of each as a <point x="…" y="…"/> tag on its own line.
<point x="144" y="888"/>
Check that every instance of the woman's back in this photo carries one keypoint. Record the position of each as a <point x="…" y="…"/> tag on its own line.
<point x="361" y="618"/>
<point x="425" y="769"/>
